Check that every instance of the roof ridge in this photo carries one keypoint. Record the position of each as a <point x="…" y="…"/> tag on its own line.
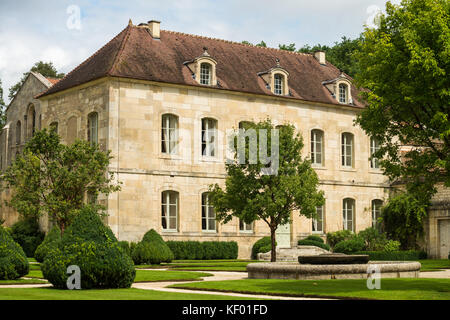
<point x="83" y="63"/>
<point x="235" y="42"/>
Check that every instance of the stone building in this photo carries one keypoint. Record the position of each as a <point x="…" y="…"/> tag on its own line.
<point x="163" y="101"/>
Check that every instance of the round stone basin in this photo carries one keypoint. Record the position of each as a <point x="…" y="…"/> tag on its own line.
<point x="294" y="270"/>
<point x="334" y="259"/>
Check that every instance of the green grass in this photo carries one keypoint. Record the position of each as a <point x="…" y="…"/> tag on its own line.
<point x="106" y="294"/>
<point x="22" y="281"/>
<point x="152" y="276"/>
<point x="31" y="260"/>
<point x="35" y="274"/>
<point x="224" y="268"/>
<point x="435" y="264"/>
<point x="391" y="289"/>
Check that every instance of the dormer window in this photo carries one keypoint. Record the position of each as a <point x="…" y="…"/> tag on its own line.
<point x="276" y="80"/>
<point x="205" y="73"/>
<point x="343" y="88"/>
<point x="340" y="89"/>
<point x="278" y="84"/>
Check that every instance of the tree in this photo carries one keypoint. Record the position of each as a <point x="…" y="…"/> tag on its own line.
<point x="2" y="107"/>
<point x="45" y="68"/>
<point x="404" y="65"/>
<point x="251" y="195"/>
<point x="53" y="178"/>
<point x="287" y="47"/>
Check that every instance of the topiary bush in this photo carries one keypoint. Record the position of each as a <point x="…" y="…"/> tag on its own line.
<point x="125" y="245"/>
<point x="27" y="234"/>
<point x="206" y="250"/>
<point x="334" y="237"/>
<point x="314" y="238"/>
<point x="306" y="242"/>
<point x="90" y="245"/>
<point x="152" y="250"/>
<point x="13" y="261"/>
<point x="349" y="246"/>
<point x="261" y="246"/>
<point x="404" y="255"/>
<point x="51" y="240"/>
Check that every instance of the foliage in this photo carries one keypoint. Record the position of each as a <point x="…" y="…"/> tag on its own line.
<point x="207" y="250"/>
<point x="306" y="242"/>
<point x="125" y="245"/>
<point x="349" y="246"/>
<point x="152" y="250"/>
<point x="27" y="234"/>
<point x="406" y="255"/>
<point x="391" y="245"/>
<point x="334" y="237"/>
<point x="255" y="192"/>
<point x="102" y="262"/>
<point x="373" y="239"/>
<point x="13" y="261"/>
<point x="50" y="242"/>
<point x="404" y="65"/>
<point x="403" y="218"/>
<point x="314" y="238"/>
<point x="260" y="246"/>
<point x="53" y="178"/>
<point x="2" y="107"/>
<point x="44" y="68"/>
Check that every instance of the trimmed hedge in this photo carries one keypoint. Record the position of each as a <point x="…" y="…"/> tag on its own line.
<point x="334" y="238"/>
<point x="409" y="255"/>
<point x="13" y="261"/>
<point x="27" y="234"/>
<point x="314" y="238"/>
<point x="349" y="246"/>
<point x="90" y="245"/>
<point x="263" y="245"/>
<point x="306" y="242"/>
<point x="152" y="250"/>
<point x="207" y="250"/>
<point x="51" y="241"/>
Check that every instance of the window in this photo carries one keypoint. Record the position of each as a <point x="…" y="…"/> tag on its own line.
<point x="93" y="128"/>
<point x="205" y="73"/>
<point x="245" y="227"/>
<point x="33" y="122"/>
<point x="347" y="150"/>
<point x="317" y="147"/>
<point x="169" y="134"/>
<point x="348" y="211"/>
<point x="317" y="224"/>
<point x="376" y="212"/>
<point x="343" y="93"/>
<point x="208" y="214"/>
<point x="54" y="127"/>
<point x="278" y="86"/>
<point x="169" y="210"/>
<point x="209" y="133"/>
<point x="374" y="147"/>
<point x="18" y="132"/>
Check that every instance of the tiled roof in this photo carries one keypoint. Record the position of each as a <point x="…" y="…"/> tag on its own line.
<point x="53" y="81"/>
<point x="133" y="53"/>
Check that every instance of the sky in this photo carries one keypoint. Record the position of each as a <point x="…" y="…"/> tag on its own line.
<point x="68" y="32"/>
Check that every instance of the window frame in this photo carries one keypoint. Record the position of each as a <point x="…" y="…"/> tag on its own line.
<point x="315" y="222"/>
<point x="202" y="74"/>
<point x="374" y="147"/>
<point x="166" y="130"/>
<point x="207" y="217"/>
<point x="205" y="136"/>
<point x="166" y="211"/>
<point x="343" y="92"/>
<point x="278" y="84"/>
<point x="346" y="210"/>
<point x="376" y="209"/>
<point x="344" y="154"/>
<point x="246" y="227"/>
<point x="92" y="128"/>
<point x="18" y="132"/>
<point x="313" y="147"/>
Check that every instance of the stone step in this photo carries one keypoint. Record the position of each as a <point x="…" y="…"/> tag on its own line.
<point x="292" y="254"/>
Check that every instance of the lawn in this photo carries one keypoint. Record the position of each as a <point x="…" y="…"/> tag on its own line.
<point x="434" y="264"/>
<point x="165" y="275"/>
<point x="22" y="281"/>
<point x="203" y="265"/>
<point x="391" y="289"/>
<point x="106" y="294"/>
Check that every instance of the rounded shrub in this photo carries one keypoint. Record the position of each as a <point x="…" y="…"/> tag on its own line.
<point x="319" y="244"/>
<point x="261" y="246"/>
<point x="51" y="240"/>
<point x="349" y="246"/>
<point x="27" y="234"/>
<point x="90" y="245"/>
<point x="13" y="261"/>
<point x="314" y="238"/>
<point x="391" y="246"/>
<point x="152" y="250"/>
<point x="334" y="237"/>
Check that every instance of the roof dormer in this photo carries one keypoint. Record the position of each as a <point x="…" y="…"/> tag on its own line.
<point x="340" y="89"/>
<point x="276" y="79"/>
<point x="203" y="69"/>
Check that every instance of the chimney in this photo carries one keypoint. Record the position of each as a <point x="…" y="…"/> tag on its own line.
<point x="153" y="27"/>
<point x="320" y="56"/>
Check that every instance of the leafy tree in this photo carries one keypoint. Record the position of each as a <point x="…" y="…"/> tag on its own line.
<point x="261" y="44"/>
<point x="403" y="218"/>
<point x="404" y="65"/>
<point x="45" y="68"/>
<point x="53" y="178"/>
<point x="2" y="107"/>
<point x="287" y="47"/>
<point x="252" y="195"/>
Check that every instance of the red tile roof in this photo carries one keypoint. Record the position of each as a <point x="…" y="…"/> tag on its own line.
<point x="53" y="81"/>
<point x="133" y="53"/>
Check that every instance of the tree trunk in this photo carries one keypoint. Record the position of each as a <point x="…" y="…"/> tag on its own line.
<point x="273" y="253"/>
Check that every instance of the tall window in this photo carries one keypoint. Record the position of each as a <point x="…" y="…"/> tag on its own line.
<point x="54" y="126"/>
<point x="278" y="87"/>
<point x="169" y="210"/>
<point x="347" y="149"/>
<point x="169" y="134"/>
<point x="18" y="132"/>
<point x="205" y="73"/>
<point x="317" y="147"/>
<point x="317" y="224"/>
<point x="348" y="212"/>
<point x="374" y="147"/>
<point x="343" y="93"/>
<point x="33" y="122"/>
<point x="93" y="128"/>
<point x="209" y="137"/>
<point x="376" y="212"/>
<point x="245" y="227"/>
<point x="208" y="214"/>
